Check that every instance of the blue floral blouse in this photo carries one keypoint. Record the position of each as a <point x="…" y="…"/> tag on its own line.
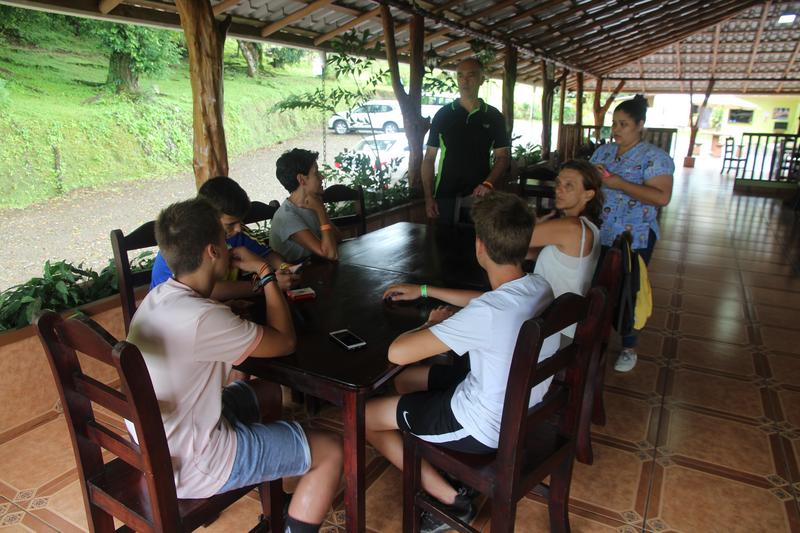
<point x="621" y="212"/>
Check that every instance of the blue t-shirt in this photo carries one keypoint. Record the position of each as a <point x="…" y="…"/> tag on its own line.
<point x="162" y="273"/>
<point x="621" y="212"/>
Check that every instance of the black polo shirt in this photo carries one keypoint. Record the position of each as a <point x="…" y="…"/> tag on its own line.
<point x="465" y="142"/>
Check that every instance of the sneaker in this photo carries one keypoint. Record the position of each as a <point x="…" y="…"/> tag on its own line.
<point x="462" y="508"/>
<point x="456" y="483"/>
<point x="626" y="360"/>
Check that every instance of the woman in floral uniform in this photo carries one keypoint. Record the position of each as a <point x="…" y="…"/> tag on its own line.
<point x="637" y="180"/>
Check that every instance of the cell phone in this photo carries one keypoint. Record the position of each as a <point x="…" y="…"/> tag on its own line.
<point x="348" y="339"/>
<point x="306" y="293"/>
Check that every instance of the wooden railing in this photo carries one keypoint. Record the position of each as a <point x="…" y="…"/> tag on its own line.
<point x="572" y="139"/>
<point x="773" y="157"/>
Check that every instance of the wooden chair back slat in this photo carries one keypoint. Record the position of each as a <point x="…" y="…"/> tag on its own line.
<point x="103" y="395"/>
<point x="142" y="237"/>
<point x="342" y="193"/>
<point x="552" y="365"/>
<point x="259" y="212"/>
<point x="122" y="448"/>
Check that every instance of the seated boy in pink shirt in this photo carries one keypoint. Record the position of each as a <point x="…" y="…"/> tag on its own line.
<point x="216" y="436"/>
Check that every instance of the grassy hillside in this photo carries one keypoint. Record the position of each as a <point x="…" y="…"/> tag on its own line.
<point x="61" y="129"/>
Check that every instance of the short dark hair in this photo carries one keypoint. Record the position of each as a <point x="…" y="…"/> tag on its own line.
<point x="226" y="195"/>
<point x="592" y="181"/>
<point x="294" y="162"/>
<point x="504" y="223"/>
<point x="183" y="230"/>
<point x="636" y="108"/>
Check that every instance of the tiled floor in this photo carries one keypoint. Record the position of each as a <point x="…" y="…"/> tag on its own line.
<point x="703" y="436"/>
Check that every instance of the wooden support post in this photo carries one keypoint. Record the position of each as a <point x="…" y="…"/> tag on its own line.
<point x="509" y="81"/>
<point x="688" y="161"/>
<point x="601" y="110"/>
<point x="548" y="86"/>
<point x="561" y="101"/>
<point x="106" y="6"/>
<point x="579" y="101"/>
<point x="410" y="103"/>
<point x="205" y="39"/>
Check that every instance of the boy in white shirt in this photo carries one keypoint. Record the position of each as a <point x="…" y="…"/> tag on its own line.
<point x="453" y="406"/>
<point x="216" y="436"/>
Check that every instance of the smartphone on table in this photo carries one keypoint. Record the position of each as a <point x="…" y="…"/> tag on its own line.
<point x="347" y="339"/>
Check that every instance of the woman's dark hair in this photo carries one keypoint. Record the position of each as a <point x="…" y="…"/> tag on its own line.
<point x="592" y="181"/>
<point x="292" y="163"/>
<point x="636" y="108"/>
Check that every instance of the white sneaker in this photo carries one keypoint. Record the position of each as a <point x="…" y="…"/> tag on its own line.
<point x="626" y="360"/>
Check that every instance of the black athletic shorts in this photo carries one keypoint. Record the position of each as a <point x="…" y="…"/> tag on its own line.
<point x="427" y="414"/>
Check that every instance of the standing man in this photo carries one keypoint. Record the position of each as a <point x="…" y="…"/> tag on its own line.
<point x="467" y="131"/>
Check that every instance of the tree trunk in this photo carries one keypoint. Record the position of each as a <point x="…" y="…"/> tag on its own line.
<point x="205" y="38"/>
<point x="414" y="123"/>
<point x="601" y="110"/>
<point x="120" y="75"/>
<point x="250" y="57"/>
<point x="562" y="98"/>
<point x="579" y="103"/>
<point x="509" y="81"/>
<point x="548" y="86"/>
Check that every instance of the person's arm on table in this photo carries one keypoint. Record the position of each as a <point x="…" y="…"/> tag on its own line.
<point x="408" y="291"/>
<point x="279" y="336"/>
<point x="420" y="343"/>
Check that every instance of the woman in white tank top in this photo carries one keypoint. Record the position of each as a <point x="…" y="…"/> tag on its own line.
<point x="568" y="246"/>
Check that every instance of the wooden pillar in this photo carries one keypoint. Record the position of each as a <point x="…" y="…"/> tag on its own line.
<point x="579" y="101"/>
<point x="205" y="39"/>
<point x="688" y="161"/>
<point x="561" y="101"/>
<point x="548" y="86"/>
<point x="601" y="110"/>
<point x="509" y="81"/>
<point x="410" y="103"/>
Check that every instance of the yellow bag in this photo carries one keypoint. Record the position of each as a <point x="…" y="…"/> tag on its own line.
<point x="644" y="297"/>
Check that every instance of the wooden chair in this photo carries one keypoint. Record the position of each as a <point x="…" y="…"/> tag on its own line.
<point x="609" y="277"/>
<point x="137" y="487"/>
<point x="259" y="212"/>
<point x="729" y="159"/>
<point x="538" y="183"/>
<point x="535" y="442"/>
<point x="142" y="237"/>
<point x="342" y="193"/>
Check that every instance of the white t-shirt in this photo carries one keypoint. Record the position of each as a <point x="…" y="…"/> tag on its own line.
<point x="189" y="343"/>
<point x="487" y="328"/>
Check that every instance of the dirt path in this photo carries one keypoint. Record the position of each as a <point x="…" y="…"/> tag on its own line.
<point x="76" y="226"/>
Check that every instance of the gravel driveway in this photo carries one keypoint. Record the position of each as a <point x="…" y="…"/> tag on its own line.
<point x="76" y="226"/>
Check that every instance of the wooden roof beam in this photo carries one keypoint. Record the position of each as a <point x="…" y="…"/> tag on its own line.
<point x="225" y="5"/>
<point x="405" y="27"/>
<point x="677" y="47"/>
<point x="764" y="12"/>
<point x="106" y="6"/>
<point x="278" y="25"/>
<point x="347" y="26"/>
<point x="715" y="50"/>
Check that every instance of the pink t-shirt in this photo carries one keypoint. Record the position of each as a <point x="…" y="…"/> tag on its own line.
<point x="189" y="344"/>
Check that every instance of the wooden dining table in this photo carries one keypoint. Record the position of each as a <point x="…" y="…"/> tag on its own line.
<point x="349" y="295"/>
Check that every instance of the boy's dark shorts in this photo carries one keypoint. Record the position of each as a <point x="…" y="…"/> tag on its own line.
<point x="428" y="415"/>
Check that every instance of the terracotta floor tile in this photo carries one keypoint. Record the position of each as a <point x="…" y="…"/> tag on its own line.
<point x="38" y="456"/>
<point x="663" y="266"/>
<point x="662" y="281"/>
<point x="611" y="483"/>
<point x="774" y="297"/>
<point x="705" y="305"/>
<point x="731" y="291"/>
<point x="717" y="356"/>
<point x="780" y="317"/>
<point x="765" y="268"/>
<point x="708" y="260"/>
<point x="532" y="517"/>
<point x="711" y="250"/>
<point x="782" y="340"/>
<point x="790" y="403"/>
<point x="721" y="275"/>
<point x="661" y="297"/>
<point x="665" y="254"/>
<point x="718" y="441"/>
<point x="658" y="319"/>
<point x="715" y="328"/>
<point x="628" y="419"/>
<point x="715" y="392"/>
<point x="785" y="369"/>
<point x="696" y="501"/>
<point x="241" y="516"/>
<point x="769" y="281"/>
<point x="384" y="510"/>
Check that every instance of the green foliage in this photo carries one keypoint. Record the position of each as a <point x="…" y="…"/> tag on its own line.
<point x="357" y="169"/>
<point x="62" y="286"/>
<point x="282" y="56"/>
<point x="5" y="96"/>
<point x="151" y="51"/>
<point x="527" y="154"/>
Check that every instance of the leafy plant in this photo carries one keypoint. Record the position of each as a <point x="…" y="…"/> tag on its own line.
<point x="5" y="98"/>
<point x="62" y="286"/>
<point x="357" y="169"/>
<point x="527" y="154"/>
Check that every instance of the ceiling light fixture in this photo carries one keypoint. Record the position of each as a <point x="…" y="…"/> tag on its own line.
<point x="786" y="18"/>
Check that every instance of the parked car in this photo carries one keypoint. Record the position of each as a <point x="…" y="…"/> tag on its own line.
<point x="383" y="115"/>
<point x="390" y="147"/>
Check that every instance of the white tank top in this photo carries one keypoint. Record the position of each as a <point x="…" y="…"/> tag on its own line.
<point x="566" y="273"/>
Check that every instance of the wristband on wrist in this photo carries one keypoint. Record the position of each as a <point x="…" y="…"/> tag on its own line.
<point x="264" y="268"/>
<point x="258" y="283"/>
<point x="423" y="291"/>
<point x="325" y="227"/>
<point x="488" y="184"/>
